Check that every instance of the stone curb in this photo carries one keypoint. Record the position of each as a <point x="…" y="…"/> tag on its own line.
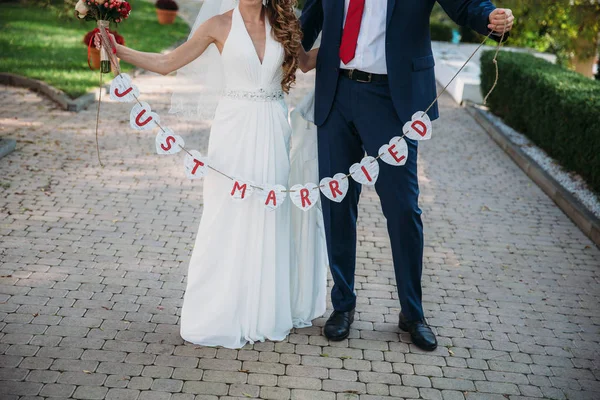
<point x="569" y="204"/>
<point x="58" y="96"/>
<point x="7" y="146"/>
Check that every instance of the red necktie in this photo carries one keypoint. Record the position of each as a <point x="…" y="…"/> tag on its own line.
<point x="351" y="30"/>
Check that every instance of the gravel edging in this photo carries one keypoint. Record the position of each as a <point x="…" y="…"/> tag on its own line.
<point x="583" y="217"/>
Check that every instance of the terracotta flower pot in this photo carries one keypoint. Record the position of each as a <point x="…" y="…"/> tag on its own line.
<point x="166" y="17"/>
<point x="95" y="58"/>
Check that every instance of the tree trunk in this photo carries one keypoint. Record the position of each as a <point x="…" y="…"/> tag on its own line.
<point x="584" y="65"/>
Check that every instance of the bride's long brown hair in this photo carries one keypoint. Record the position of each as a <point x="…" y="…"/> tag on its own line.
<point x="286" y="30"/>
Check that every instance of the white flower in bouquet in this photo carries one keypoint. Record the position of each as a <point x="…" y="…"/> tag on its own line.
<point x="82" y="9"/>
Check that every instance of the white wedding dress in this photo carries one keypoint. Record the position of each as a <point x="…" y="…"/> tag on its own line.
<point x="254" y="273"/>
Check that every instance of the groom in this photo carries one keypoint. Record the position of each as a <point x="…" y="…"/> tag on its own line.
<point x="374" y="70"/>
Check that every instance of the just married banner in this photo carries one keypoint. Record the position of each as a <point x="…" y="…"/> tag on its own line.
<point x="304" y="196"/>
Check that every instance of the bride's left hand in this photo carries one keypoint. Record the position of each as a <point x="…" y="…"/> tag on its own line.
<point x="308" y="61"/>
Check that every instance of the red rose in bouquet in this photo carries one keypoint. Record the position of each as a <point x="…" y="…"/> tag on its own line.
<point x="125" y="9"/>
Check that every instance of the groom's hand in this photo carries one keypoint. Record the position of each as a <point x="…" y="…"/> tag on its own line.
<point x="501" y="20"/>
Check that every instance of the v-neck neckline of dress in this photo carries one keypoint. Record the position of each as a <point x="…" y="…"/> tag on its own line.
<point x="267" y="33"/>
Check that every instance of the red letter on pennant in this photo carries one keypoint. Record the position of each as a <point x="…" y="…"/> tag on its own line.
<point x="122" y="94"/>
<point x="304" y="197"/>
<point x="394" y="153"/>
<point x="138" y="120"/>
<point x="419" y="124"/>
<point x="197" y="163"/>
<point x="241" y="188"/>
<point x="170" y="140"/>
<point x="335" y="188"/>
<point x="271" y="198"/>
<point x="364" y="170"/>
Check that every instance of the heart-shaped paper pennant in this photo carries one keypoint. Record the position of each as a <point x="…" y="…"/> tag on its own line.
<point x="395" y="153"/>
<point x="304" y="196"/>
<point x="273" y="196"/>
<point x="365" y="172"/>
<point x="336" y="188"/>
<point x="142" y="117"/>
<point x="121" y="89"/>
<point x="195" y="165"/>
<point x="241" y="190"/>
<point x="168" y="143"/>
<point x="419" y="127"/>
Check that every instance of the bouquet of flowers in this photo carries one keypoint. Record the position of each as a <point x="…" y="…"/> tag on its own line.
<point x="103" y="12"/>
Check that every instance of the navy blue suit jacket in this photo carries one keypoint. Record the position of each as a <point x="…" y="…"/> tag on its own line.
<point x="408" y="48"/>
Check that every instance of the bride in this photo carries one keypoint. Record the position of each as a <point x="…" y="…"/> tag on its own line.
<point x="254" y="274"/>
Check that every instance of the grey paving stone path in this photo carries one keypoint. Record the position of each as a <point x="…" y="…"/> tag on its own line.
<point x="93" y="264"/>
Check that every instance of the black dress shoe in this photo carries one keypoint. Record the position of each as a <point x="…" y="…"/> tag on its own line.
<point x="420" y="333"/>
<point x="337" y="326"/>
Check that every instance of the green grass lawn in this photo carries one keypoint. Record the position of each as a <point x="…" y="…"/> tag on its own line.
<point x="36" y="44"/>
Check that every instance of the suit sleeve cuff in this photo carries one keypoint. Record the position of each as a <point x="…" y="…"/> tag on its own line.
<point x="497" y="36"/>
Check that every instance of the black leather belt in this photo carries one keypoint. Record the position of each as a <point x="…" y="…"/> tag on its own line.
<point x="362" y="76"/>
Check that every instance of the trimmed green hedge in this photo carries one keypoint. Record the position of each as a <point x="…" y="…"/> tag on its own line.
<point x="440" y="31"/>
<point x="558" y="109"/>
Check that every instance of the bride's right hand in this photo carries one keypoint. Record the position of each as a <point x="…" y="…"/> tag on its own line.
<point x="98" y="40"/>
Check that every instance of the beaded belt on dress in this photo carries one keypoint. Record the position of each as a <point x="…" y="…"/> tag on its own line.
<point x="257" y="95"/>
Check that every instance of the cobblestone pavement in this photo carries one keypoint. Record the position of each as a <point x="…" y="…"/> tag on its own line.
<point x="93" y="265"/>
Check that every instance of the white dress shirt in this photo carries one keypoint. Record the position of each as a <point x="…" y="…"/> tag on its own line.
<point x="370" y="49"/>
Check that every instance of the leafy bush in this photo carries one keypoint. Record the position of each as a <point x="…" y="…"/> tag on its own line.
<point x="567" y="28"/>
<point x="558" y="109"/>
<point x="440" y="31"/>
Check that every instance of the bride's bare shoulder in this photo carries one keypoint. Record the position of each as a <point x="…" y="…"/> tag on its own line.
<point x="220" y="24"/>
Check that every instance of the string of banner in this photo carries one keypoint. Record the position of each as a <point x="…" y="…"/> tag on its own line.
<point x="303" y="196"/>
